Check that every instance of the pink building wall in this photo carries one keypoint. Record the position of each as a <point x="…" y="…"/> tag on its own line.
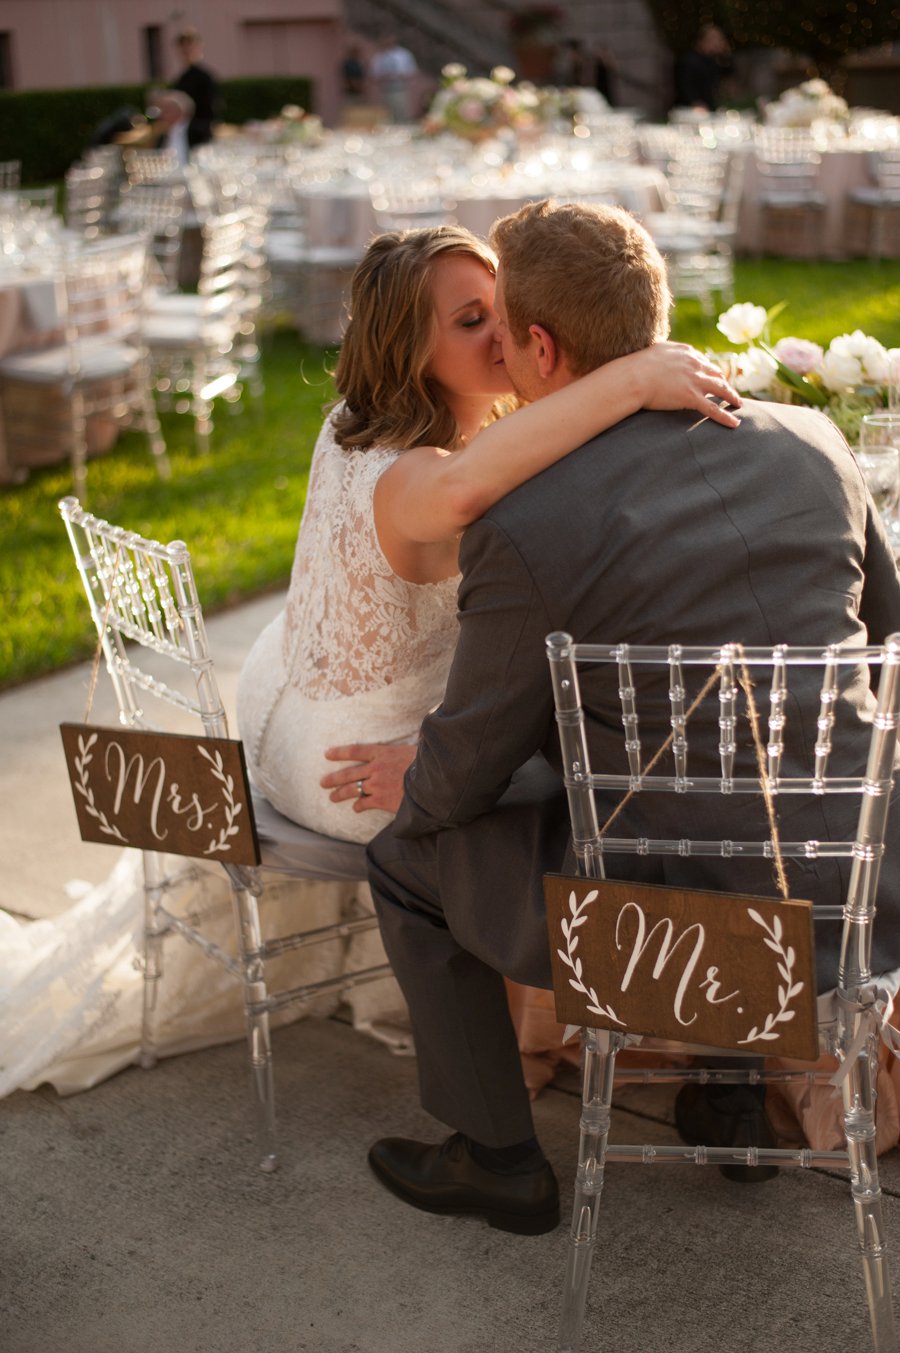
<point x="57" y="43"/>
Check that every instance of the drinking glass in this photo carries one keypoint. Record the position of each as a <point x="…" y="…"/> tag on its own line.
<point x="879" y="460"/>
<point x="894" y="382"/>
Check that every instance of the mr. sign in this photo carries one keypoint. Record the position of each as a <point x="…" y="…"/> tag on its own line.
<point x="721" y="969"/>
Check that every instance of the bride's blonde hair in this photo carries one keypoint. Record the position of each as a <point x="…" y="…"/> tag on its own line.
<point x="386" y="396"/>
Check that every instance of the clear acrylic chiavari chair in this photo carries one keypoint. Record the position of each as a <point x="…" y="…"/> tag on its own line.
<point x="144" y="604"/>
<point x="811" y="751"/>
<point x="96" y="365"/>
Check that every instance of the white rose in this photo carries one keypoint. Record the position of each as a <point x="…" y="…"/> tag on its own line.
<point x="893" y="356"/>
<point x="840" y="368"/>
<point x="755" y="372"/>
<point x="742" y="323"/>
<point x="868" y="352"/>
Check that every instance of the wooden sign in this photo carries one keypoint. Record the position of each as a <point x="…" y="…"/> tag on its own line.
<point x="162" y="791"/>
<point x="720" y="969"/>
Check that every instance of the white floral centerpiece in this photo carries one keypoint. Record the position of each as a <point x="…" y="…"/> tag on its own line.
<point x="849" y="378"/>
<point x="802" y="105"/>
<point x="476" y="107"/>
<point x="292" y="126"/>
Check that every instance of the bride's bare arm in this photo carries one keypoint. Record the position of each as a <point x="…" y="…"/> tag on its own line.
<point x="429" y="495"/>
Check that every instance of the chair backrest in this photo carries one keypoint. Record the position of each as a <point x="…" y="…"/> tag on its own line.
<point x="886" y="169"/>
<point x="87" y="199"/>
<point x="144" y="604"/>
<point x="10" y="173"/>
<point x="158" y="209"/>
<point x="404" y="201"/>
<point x="149" y="166"/>
<point x="690" y="756"/>
<point x="102" y="292"/>
<point x="223" y="270"/>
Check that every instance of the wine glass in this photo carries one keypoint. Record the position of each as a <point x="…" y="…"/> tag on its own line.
<point x="879" y="460"/>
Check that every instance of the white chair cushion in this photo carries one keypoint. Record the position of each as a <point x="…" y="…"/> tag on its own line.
<point x="97" y="360"/>
<point x="185" y="331"/>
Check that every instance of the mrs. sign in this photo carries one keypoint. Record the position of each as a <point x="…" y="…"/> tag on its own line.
<point x="720" y="969"/>
<point x="162" y="791"/>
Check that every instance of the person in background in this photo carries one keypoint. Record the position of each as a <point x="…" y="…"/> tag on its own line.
<point x="164" y="126"/>
<point x="353" y="74"/>
<point x="699" y="72"/>
<point x="605" y="70"/>
<point x="199" y="83"/>
<point x="393" y="68"/>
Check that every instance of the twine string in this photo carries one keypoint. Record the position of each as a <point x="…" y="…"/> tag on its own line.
<point x="753" y="719"/>
<point x="95" y="667"/>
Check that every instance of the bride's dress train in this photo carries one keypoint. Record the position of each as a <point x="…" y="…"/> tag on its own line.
<point x="71" y="987"/>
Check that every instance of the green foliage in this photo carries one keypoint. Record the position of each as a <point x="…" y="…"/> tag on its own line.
<point x="824" y="30"/>
<point x="48" y="129"/>
<point x="679" y="21"/>
<point x="260" y="97"/>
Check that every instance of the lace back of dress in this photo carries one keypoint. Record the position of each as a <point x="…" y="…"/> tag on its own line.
<point x="351" y="624"/>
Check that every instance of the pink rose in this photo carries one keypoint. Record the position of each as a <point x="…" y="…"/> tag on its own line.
<point x="799" y="354"/>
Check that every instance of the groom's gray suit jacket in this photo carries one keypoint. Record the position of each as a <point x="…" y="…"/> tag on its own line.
<point x="662" y="529"/>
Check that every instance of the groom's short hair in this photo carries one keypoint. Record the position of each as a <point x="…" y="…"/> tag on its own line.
<point x="590" y="275"/>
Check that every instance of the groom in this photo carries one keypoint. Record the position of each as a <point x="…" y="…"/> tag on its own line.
<point x="662" y="528"/>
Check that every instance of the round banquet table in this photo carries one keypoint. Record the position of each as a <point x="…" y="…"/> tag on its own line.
<point x="844" y="166"/>
<point x="341" y="213"/>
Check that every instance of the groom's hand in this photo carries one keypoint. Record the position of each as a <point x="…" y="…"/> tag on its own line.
<point x="375" y="777"/>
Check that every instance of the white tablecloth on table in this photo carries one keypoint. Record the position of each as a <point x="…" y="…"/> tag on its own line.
<point x="843" y="167"/>
<point x="341" y="213"/>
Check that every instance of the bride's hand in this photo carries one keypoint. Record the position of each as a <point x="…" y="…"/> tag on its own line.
<point x="375" y="777"/>
<point x="677" y="376"/>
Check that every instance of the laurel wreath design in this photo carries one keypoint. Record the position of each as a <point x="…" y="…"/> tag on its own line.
<point x="232" y="809"/>
<point x="82" y="761"/>
<point x="787" y="989"/>
<point x="578" y="918"/>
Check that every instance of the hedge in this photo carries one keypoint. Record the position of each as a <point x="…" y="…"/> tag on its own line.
<point x="47" y="129"/>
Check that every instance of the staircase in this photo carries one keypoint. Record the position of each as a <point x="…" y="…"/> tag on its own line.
<point x="438" y="31"/>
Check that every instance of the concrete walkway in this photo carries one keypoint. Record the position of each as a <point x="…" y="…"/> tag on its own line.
<point x="133" y="1219"/>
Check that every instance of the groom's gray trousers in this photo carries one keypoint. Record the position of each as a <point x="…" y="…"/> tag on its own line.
<point x="450" y="948"/>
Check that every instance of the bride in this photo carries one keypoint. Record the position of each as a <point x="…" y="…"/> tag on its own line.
<point x="414" y="451"/>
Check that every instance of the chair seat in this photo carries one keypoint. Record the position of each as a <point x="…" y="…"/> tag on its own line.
<point x="186" y="303"/>
<point x="330" y="255"/>
<point x="871" y="196"/>
<point x="789" y="199"/>
<point x="186" y="331"/>
<point x="97" y="359"/>
<point x="289" y="848"/>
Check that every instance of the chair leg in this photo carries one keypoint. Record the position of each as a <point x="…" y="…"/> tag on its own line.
<point x="79" y="446"/>
<point x="256" y="1011"/>
<point x="859" y="1125"/>
<point x="596" y="1100"/>
<point x="153" y="432"/>
<point x="154" y="887"/>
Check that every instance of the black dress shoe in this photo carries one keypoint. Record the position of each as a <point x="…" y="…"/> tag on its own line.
<point x="446" y="1178"/>
<point x="726" y="1115"/>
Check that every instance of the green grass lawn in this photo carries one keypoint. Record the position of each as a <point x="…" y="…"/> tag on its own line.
<point x="238" y="507"/>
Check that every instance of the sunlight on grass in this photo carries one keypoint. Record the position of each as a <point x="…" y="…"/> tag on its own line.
<point x="238" y="508"/>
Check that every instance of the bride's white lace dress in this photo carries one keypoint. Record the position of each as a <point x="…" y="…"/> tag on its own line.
<point x="358" y="655"/>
